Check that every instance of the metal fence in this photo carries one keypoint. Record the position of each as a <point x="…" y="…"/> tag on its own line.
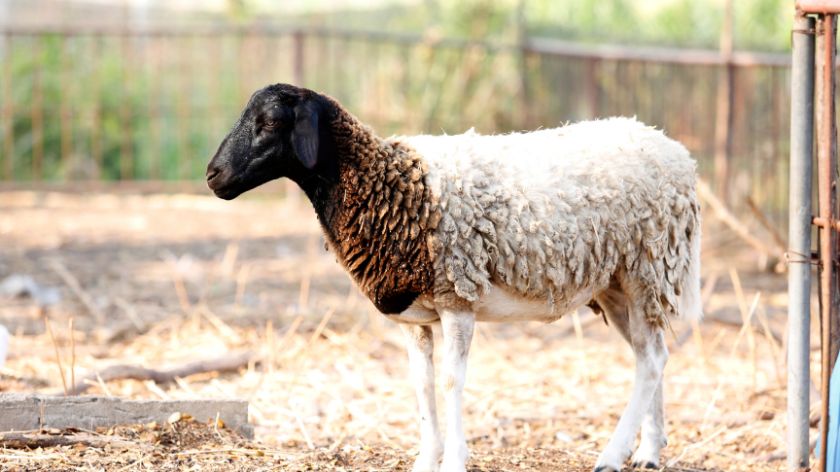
<point x="125" y="104"/>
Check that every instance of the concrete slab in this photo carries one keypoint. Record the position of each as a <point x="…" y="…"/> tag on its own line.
<point x="23" y="412"/>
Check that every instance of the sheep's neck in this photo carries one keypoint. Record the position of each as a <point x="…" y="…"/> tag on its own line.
<point x="376" y="217"/>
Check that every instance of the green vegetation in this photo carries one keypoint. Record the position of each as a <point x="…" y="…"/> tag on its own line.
<point x="114" y="107"/>
<point x="759" y="24"/>
<point x="91" y="107"/>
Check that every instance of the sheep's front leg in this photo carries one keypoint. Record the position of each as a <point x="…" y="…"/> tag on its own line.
<point x="653" y="434"/>
<point x="420" y="343"/>
<point x="457" y="335"/>
<point x="651" y="355"/>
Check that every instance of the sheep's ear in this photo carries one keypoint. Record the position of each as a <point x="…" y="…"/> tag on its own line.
<point x="305" y="134"/>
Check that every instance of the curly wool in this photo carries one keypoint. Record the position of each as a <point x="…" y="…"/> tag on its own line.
<point x="381" y="213"/>
<point x="555" y="213"/>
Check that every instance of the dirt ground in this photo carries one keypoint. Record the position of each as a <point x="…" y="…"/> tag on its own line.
<point x="160" y="280"/>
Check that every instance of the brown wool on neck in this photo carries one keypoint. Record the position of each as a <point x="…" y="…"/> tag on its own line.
<point x="383" y="215"/>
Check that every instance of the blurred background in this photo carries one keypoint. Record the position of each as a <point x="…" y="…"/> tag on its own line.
<point x="113" y="253"/>
<point x="144" y="90"/>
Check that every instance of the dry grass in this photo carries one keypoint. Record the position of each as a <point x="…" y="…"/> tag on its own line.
<point x="179" y="278"/>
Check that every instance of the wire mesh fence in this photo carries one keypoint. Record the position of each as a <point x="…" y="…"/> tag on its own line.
<point x="121" y="104"/>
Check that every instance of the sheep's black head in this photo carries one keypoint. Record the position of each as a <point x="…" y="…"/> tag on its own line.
<point x="280" y="134"/>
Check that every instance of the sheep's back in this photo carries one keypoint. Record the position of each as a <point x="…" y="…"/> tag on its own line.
<point x="553" y="212"/>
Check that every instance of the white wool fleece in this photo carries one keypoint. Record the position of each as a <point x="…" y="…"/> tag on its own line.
<point x="551" y="213"/>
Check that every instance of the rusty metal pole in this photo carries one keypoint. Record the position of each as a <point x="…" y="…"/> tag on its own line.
<point x="827" y="169"/>
<point x="724" y="107"/>
<point x="799" y="270"/>
<point x="826" y="221"/>
<point x="524" y="87"/>
<point x="290" y="189"/>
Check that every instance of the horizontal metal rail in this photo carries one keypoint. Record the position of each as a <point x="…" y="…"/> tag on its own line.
<point x="702" y="57"/>
<point x="822" y="223"/>
<point x="534" y="45"/>
<point x="818" y="6"/>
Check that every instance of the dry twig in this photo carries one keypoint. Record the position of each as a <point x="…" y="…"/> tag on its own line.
<point x="35" y="440"/>
<point x="73" y="284"/>
<point x="72" y="353"/>
<point x="57" y="353"/>
<point x="778" y="240"/>
<point x="729" y="219"/>
<point x="123" y="371"/>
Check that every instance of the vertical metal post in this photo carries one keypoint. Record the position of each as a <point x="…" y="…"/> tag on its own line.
<point x="126" y="158"/>
<point x="8" y="109"/>
<point x="153" y="63"/>
<point x="724" y="106"/>
<point x="298" y="66"/>
<point x="37" y="109"/>
<point x="291" y="191"/>
<point x="524" y="89"/>
<point x="182" y="114"/>
<point x="827" y="170"/>
<point x="799" y="272"/>
<point x="65" y="114"/>
<point x="593" y="87"/>
<point x="96" y="106"/>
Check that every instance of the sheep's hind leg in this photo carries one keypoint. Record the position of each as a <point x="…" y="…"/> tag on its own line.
<point x="614" y="304"/>
<point x="420" y="343"/>
<point x="457" y="334"/>
<point x="648" y="343"/>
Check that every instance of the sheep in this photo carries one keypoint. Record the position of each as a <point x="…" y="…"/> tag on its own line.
<point x="450" y="230"/>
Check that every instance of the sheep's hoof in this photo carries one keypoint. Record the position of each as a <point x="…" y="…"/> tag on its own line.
<point x="645" y="465"/>
<point x="647" y="455"/>
<point x="429" y="459"/>
<point x="454" y="457"/>
<point x="608" y="461"/>
<point x="424" y="463"/>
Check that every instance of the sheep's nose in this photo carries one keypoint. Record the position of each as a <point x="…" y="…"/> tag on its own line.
<point x="212" y="172"/>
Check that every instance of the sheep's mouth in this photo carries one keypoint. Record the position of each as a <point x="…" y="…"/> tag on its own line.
<point x="231" y="188"/>
<point x="227" y="194"/>
<point x="224" y="189"/>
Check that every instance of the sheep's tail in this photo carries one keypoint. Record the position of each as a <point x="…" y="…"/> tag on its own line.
<point x="690" y="302"/>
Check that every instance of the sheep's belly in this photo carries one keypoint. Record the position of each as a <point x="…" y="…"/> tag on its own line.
<point x="498" y="304"/>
